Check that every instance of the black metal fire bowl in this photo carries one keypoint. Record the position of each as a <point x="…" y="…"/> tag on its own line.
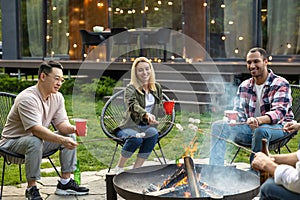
<point x="235" y="183"/>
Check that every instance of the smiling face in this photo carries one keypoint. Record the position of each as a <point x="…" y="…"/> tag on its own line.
<point x="52" y="81"/>
<point x="257" y="66"/>
<point x="143" y="72"/>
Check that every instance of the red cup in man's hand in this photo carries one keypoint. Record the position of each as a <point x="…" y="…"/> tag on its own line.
<point x="81" y="127"/>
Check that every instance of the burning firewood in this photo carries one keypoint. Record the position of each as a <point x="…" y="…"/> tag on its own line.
<point x="184" y="182"/>
<point x="178" y="175"/>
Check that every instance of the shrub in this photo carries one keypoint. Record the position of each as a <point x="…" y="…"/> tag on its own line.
<point x="101" y="88"/>
<point x="13" y="84"/>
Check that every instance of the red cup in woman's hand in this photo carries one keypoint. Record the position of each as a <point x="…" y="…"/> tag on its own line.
<point x="169" y="106"/>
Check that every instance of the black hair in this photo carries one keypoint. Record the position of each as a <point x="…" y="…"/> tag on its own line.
<point x="46" y="67"/>
<point x="261" y="51"/>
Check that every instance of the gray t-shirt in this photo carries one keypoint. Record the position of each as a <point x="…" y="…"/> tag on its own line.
<point x="30" y="109"/>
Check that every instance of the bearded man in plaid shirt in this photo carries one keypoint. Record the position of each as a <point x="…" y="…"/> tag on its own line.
<point x="263" y="103"/>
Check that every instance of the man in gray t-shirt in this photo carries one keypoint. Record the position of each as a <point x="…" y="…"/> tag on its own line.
<point x="26" y="130"/>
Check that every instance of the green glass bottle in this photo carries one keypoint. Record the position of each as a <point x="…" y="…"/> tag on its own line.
<point x="77" y="174"/>
<point x="176" y="160"/>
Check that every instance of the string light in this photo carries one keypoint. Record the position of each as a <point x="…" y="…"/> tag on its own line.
<point x="170" y="3"/>
<point x="288" y="45"/>
<point x="204" y="4"/>
<point x="100" y="4"/>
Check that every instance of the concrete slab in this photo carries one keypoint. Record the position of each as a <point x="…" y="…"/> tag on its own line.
<point x="95" y="181"/>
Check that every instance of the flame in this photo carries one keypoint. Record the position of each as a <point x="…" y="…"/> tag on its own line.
<point x="191" y="148"/>
<point x="183" y="181"/>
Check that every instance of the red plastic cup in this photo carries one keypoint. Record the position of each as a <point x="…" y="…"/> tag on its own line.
<point x="81" y="127"/>
<point x="231" y="114"/>
<point x="169" y="106"/>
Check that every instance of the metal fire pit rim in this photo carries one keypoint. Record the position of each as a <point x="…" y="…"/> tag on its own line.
<point x="123" y="192"/>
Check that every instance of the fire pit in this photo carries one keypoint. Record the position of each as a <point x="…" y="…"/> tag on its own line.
<point x="232" y="183"/>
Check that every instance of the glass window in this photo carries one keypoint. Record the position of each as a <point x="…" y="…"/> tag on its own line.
<point x="230" y="28"/>
<point x="32" y="31"/>
<point x="142" y="13"/>
<point x="57" y="28"/>
<point x="281" y="27"/>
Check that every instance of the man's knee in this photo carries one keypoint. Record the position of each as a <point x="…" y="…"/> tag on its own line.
<point x="35" y="143"/>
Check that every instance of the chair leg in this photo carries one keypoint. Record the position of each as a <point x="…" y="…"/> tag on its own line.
<point x="288" y="148"/>
<point x="20" y="172"/>
<point x="82" y="52"/>
<point x="162" y="153"/>
<point x="165" y="53"/>
<point x="54" y="167"/>
<point x="157" y="157"/>
<point x="3" y="172"/>
<point x="235" y="155"/>
<point x="113" y="157"/>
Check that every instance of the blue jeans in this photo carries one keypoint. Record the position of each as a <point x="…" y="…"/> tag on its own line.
<point x="240" y="133"/>
<point x="271" y="191"/>
<point x="132" y="143"/>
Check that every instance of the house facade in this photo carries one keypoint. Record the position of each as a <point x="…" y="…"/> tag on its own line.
<point x="225" y="28"/>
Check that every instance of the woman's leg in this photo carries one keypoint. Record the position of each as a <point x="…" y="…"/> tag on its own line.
<point x="149" y="142"/>
<point x="130" y="146"/>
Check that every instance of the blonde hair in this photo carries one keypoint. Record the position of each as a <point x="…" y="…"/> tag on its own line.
<point x="135" y="81"/>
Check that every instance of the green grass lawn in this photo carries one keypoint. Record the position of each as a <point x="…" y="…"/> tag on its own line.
<point x="96" y="155"/>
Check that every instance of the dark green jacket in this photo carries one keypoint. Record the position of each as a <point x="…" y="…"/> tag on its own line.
<point x="135" y="107"/>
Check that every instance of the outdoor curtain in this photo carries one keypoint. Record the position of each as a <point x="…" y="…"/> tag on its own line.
<point x="283" y="27"/>
<point x="57" y="28"/>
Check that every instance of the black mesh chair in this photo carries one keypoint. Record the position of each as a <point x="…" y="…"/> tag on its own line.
<point x="9" y="157"/>
<point x="112" y="115"/>
<point x="88" y="39"/>
<point x="159" y="38"/>
<point x="277" y="144"/>
<point x="125" y="39"/>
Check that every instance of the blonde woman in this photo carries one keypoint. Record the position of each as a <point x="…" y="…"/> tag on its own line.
<point x="143" y="100"/>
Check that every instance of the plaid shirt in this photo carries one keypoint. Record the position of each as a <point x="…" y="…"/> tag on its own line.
<point x="276" y="99"/>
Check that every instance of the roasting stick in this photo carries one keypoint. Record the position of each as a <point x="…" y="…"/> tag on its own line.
<point x="93" y="140"/>
<point x="231" y="142"/>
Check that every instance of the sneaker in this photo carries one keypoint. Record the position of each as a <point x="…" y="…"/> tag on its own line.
<point x="71" y="188"/>
<point x="33" y="194"/>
